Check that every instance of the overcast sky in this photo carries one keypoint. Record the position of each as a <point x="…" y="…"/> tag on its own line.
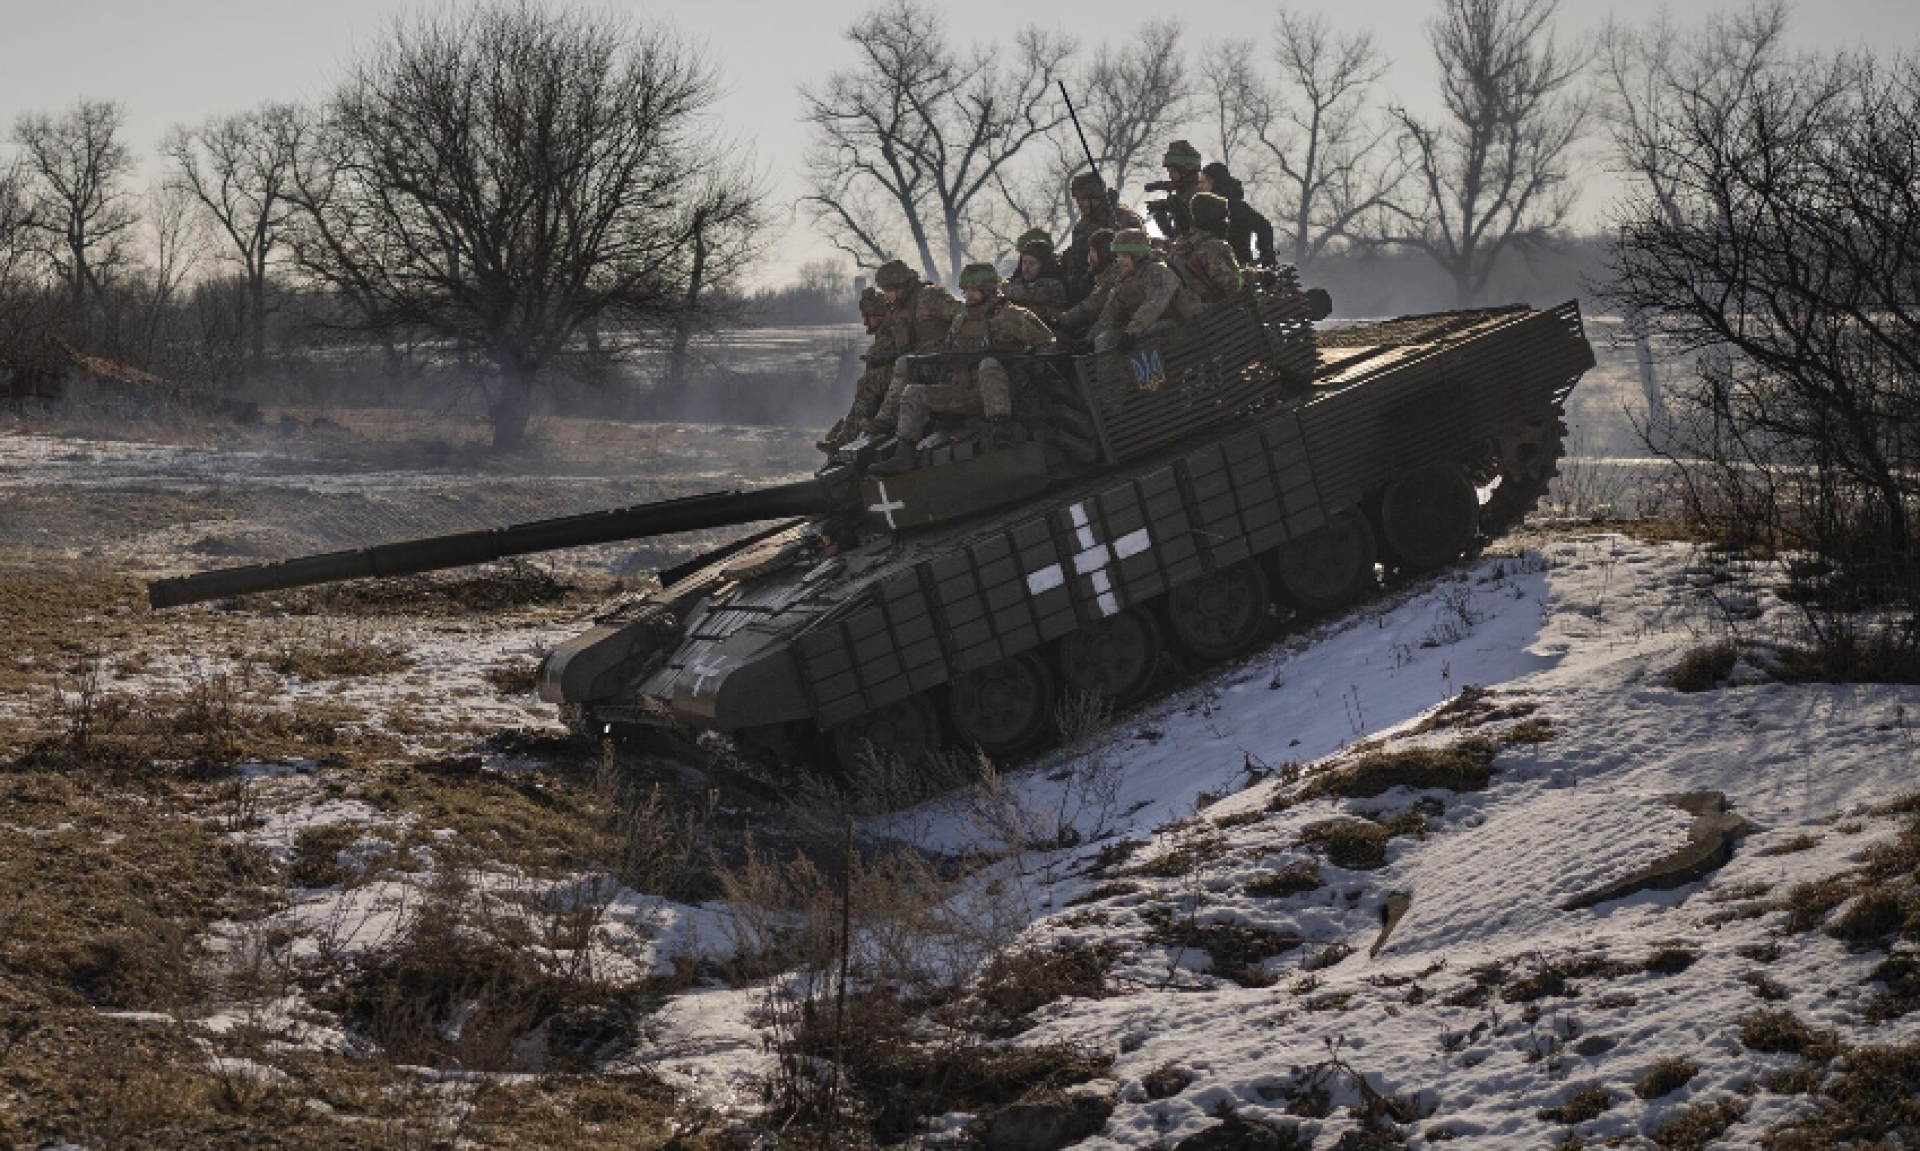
<point x="171" y="61"/>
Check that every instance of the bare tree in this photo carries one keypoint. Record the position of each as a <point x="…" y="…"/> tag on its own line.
<point x="1778" y="236"/>
<point x="1335" y="167"/>
<point x="913" y="142"/>
<point x="508" y="177"/>
<point x="240" y="168"/>
<point x="1494" y="173"/>
<point x="15" y="234"/>
<point x="1131" y="100"/>
<point x="176" y="244"/>
<point x="77" y="167"/>
<point x="1649" y="77"/>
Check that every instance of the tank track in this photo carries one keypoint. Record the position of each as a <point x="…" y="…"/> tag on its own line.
<point x="1528" y="462"/>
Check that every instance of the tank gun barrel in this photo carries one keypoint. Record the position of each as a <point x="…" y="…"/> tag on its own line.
<point x="825" y="493"/>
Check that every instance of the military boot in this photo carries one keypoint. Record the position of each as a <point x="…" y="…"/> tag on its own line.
<point x="902" y="456"/>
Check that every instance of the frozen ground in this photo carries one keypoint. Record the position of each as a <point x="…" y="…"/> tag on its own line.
<point x="1584" y="629"/>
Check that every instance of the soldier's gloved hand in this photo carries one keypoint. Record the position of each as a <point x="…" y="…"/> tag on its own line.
<point x="1127" y="342"/>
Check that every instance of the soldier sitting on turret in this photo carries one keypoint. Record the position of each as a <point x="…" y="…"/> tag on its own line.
<point x="1202" y="257"/>
<point x="918" y="316"/>
<point x="1146" y="295"/>
<point x="984" y="388"/>
<point x="1097" y="214"/>
<point x="1036" y="285"/>
<point x="871" y="388"/>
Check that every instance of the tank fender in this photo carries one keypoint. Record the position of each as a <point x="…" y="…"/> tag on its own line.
<point x="597" y="664"/>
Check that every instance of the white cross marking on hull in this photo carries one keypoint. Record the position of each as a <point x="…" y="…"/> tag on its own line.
<point x="887" y="507"/>
<point x="1092" y="561"/>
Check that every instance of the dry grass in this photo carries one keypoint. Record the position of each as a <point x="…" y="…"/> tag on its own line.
<point x="1782" y="1032"/>
<point x="1873" y="1095"/>
<point x="1238" y="950"/>
<point x="1294" y="879"/>
<point x="1695" y="1128"/>
<point x="1014" y="984"/>
<point x="1799" y="843"/>
<point x="1585" y="1104"/>
<point x="1357" y="844"/>
<point x="1703" y="668"/>
<point x="1465" y="765"/>
<point x="331" y="654"/>
<point x="1665" y="1077"/>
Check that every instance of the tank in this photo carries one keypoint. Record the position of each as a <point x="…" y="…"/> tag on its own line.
<point x="1172" y="498"/>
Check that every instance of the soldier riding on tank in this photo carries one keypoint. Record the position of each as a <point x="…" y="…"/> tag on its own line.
<point x="1099" y="212"/>
<point x="984" y="388"/>
<point x="1182" y="162"/>
<point x="1036" y="285"/>
<point x="918" y="317"/>
<point x="1202" y="257"/>
<point x="871" y="388"/>
<point x="1146" y="297"/>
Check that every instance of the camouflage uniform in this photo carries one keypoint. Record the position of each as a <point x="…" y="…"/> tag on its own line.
<point x="1081" y="316"/>
<point x="917" y="323"/>
<point x="1202" y="257"/>
<point x="1143" y="300"/>
<point x="985" y="389"/>
<point x="1106" y="217"/>
<point x="1046" y="294"/>
<point x="1182" y="162"/>
<point x="871" y="388"/>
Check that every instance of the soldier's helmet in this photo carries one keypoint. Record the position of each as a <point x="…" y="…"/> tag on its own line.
<point x="1102" y="243"/>
<point x="873" y="302"/>
<point x="1132" y="242"/>
<point x="1181" y="154"/>
<point x="895" y="274"/>
<point x="984" y="277"/>
<point x="1088" y="184"/>
<point x="1034" y="242"/>
<point x="1209" y="211"/>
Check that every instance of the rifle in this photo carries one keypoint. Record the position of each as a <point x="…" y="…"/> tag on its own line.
<point x="1113" y="194"/>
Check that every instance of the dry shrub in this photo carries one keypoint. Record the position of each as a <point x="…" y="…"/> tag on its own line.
<point x="334" y="654"/>
<point x="1665" y="1077"/>
<point x="514" y="677"/>
<point x="1846" y="652"/>
<point x="1014" y="984"/>
<point x="1899" y="977"/>
<point x="1873" y="1097"/>
<point x="1357" y="844"/>
<point x="1703" y="668"/>
<point x="1695" y="1128"/>
<point x="1584" y="1104"/>
<point x="1873" y="915"/>
<point x="1782" y="1032"/>
<point x="1294" y="879"/>
<point x="1799" y="843"/>
<point x="469" y="985"/>
<point x="1669" y="961"/>
<point x="1238" y="950"/>
<point x="1464" y="765"/>
<point x="1472" y="707"/>
<point x="316" y="855"/>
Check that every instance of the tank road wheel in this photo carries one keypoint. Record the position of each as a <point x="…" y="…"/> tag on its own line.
<point x="1115" y="659"/>
<point x="1222" y="614"/>
<point x="907" y="731"/>
<point x="1329" y="566"/>
<point x="1528" y="458"/>
<point x="1428" y="516"/>
<point x="1003" y="708"/>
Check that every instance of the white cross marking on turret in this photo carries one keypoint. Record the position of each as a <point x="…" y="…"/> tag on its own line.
<point x="1092" y="561"/>
<point x="887" y="507"/>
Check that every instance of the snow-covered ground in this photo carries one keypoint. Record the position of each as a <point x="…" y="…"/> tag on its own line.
<point x="1584" y="629"/>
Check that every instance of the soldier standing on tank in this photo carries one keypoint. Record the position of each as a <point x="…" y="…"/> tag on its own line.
<point x="1098" y="213"/>
<point x="1146" y="295"/>
<point x="1182" y="162"/>
<point x="989" y="323"/>
<point x="1202" y="257"/>
<point x="918" y="316"/>
<point x="871" y="388"/>
<point x="1250" y="233"/>
<point x="1081" y="316"/>
<point x="1036" y="285"/>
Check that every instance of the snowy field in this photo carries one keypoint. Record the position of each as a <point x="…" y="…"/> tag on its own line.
<point x="1580" y="628"/>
